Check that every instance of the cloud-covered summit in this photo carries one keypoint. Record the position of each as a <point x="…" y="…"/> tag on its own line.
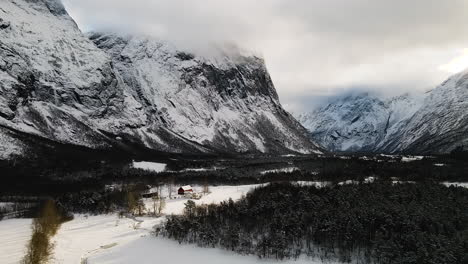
<point x="312" y="47"/>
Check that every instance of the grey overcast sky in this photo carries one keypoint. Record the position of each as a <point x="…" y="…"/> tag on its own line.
<point x="313" y="48"/>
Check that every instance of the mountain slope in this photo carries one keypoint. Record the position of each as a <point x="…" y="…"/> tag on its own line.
<point x="440" y="125"/>
<point x="57" y="84"/>
<point x="225" y="102"/>
<point x="46" y="67"/>
<point x="435" y="123"/>
<point x="360" y="122"/>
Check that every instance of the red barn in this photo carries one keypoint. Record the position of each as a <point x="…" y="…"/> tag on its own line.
<point x="185" y="189"/>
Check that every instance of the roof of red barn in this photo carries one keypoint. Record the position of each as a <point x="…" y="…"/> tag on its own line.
<point x="186" y="188"/>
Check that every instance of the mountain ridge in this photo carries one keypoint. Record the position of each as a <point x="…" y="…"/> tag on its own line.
<point x="109" y="90"/>
<point x="357" y="122"/>
<point x="435" y="122"/>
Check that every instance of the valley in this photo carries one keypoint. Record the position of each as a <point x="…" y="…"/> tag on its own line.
<point x="99" y="233"/>
<point x="124" y="144"/>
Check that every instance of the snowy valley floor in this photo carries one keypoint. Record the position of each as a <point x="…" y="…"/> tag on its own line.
<point x="104" y="239"/>
<point x="110" y="239"/>
<point x="14" y="234"/>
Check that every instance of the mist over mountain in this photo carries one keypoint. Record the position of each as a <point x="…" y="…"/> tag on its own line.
<point x="313" y="49"/>
<point x="358" y="122"/>
<point x="432" y="122"/>
<point x="122" y="92"/>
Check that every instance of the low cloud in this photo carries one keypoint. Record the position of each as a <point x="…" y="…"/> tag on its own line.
<point x="313" y="48"/>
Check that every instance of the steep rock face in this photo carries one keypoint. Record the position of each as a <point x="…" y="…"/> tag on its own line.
<point x="440" y="125"/>
<point x="57" y="84"/>
<point x="226" y="102"/>
<point x="361" y="122"/>
<point x="52" y="78"/>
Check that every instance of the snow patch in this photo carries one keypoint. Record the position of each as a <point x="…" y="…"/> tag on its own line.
<point x="202" y="169"/>
<point x="456" y="184"/>
<point x="148" y="250"/>
<point x="411" y="158"/>
<point x="149" y="166"/>
<point x="15" y="234"/>
<point x="284" y="170"/>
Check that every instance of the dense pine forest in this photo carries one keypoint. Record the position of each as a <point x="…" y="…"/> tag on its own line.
<point x="364" y="223"/>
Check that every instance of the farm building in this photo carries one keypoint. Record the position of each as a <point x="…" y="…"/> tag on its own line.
<point x="187" y="189"/>
<point x="150" y="194"/>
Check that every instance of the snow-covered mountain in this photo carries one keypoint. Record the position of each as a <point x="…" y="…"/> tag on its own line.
<point x="110" y="91"/>
<point x="358" y="122"/>
<point x="441" y="123"/>
<point x="436" y="122"/>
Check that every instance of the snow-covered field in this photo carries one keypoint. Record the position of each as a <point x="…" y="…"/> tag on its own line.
<point x="411" y="158"/>
<point x="149" y="166"/>
<point x="108" y="239"/>
<point x="202" y="169"/>
<point x="87" y="236"/>
<point x="217" y="194"/>
<point x="158" y="250"/>
<point x="285" y="170"/>
<point x="456" y="184"/>
<point x="15" y="235"/>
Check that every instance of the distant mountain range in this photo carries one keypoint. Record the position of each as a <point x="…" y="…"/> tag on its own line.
<point x="435" y="122"/>
<point x="107" y="91"/>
